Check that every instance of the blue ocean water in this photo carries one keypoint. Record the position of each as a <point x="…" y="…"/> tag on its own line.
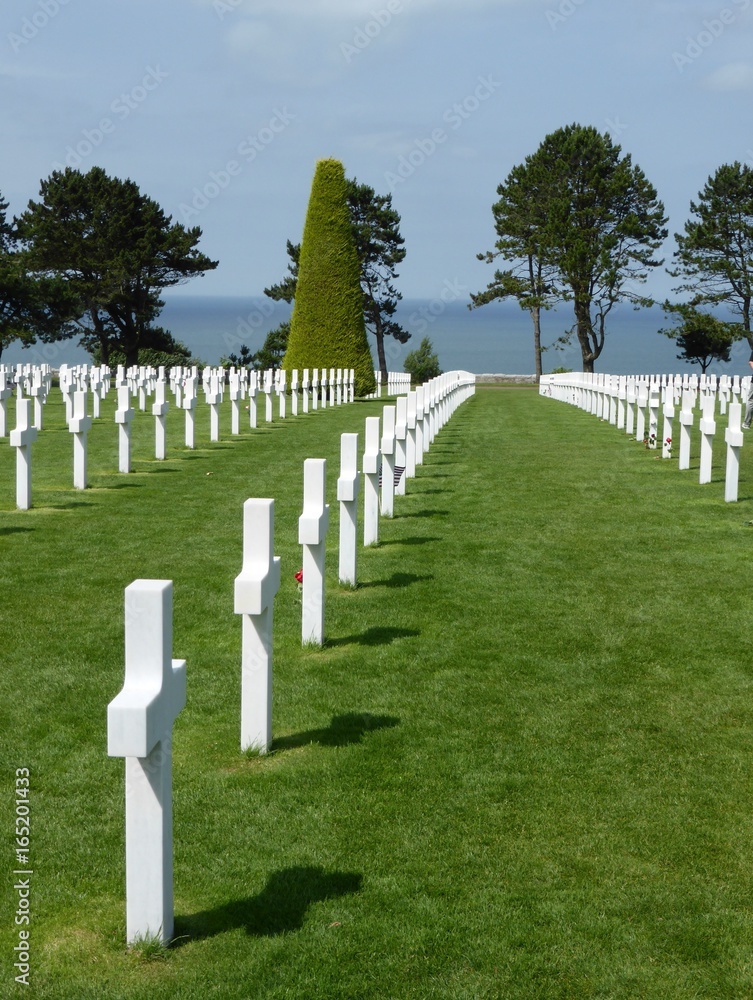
<point x="496" y="338"/>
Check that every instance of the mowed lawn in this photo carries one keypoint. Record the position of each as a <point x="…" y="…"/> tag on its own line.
<point x="521" y="766"/>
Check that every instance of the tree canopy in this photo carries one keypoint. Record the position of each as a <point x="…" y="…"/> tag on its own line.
<point x="581" y="223"/>
<point x="380" y="248"/>
<point x="715" y="253"/>
<point x="116" y="250"/>
<point x="701" y="337"/>
<point x="423" y="363"/>
<point x="327" y="325"/>
<point x="30" y="309"/>
<point x="520" y="219"/>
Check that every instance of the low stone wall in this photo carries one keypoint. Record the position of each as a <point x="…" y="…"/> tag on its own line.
<point x="506" y="379"/>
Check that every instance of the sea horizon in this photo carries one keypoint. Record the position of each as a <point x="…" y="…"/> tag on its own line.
<point x="494" y="339"/>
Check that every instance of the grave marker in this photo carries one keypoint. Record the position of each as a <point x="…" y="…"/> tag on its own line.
<point x="734" y="438"/>
<point x="123" y="417"/>
<point x="160" y="406"/>
<point x="371" y="482"/>
<point x="255" y="589"/>
<point x="388" y="460"/>
<point x="312" y="531"/>
<point x="22" y="438"/>
<point x="79" y="427"/>
<point x="139" y="727"/>
<point x="347" y="494"/>
<point x="707" y="427"/>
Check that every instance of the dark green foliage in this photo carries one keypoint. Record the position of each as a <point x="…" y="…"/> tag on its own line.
<point x="160" y="348"/>
<point x="115" y="249"/>
<point x="270" y="355"/>
<point x="327" y="325"/>
<point x="422" y="364"/>
<point x="604" y="224"/>
<point x="701" y="337"/>
<point x="376" y="231"/>
<point x="273" y="350"/>
<point x="582" y="224"/>
<point x="716" y="252"/>
<point x="520" y="220"/>
<point x="31" y="308"/>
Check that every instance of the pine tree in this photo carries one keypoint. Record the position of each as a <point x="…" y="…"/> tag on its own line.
<point x="327" y="325"/>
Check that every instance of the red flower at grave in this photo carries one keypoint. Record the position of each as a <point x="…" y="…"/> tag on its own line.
<point x="299" y="576"/>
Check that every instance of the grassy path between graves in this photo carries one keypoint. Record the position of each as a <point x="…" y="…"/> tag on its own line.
<point x="522" y="766"/>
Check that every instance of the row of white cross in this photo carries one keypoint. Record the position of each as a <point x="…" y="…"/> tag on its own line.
<point x="635" y="403"/>
<point x="80" y="383"/>
<point x="141" y="717"/>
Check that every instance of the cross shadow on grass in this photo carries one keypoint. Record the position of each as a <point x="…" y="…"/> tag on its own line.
<point x="10" y="530"/>
<point x="278" y="909"/>
<point x="397" y="581"/>
<point x="344" y="730"/>
<point x="424" y="513"/>
<point x="377" y="635"/>
<point x="413" y="540"/>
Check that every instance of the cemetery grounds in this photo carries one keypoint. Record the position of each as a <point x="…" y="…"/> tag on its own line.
<point x="520" y="767"/>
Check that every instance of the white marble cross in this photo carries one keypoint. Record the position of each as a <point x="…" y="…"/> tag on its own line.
<point x="255" y="589"/>
<point x="312" y="531"/>
<point x="388" y="460"/>
<point x="123" y="417"/>
<point x="253" y="388"/>
<point x="267" y="388"/>
<point x="139" y="727"/>
<point x="371" y="456"/>
<point x="734" y="438"/>
<point x="213" y="398"/>
<point x="410" y="436"/>
<point x="305" y="390"/>
<point x="315" y="389"/>
<point x="707" y="426"/>
<point x="5" y="394"/>
<point x="189" y="405"/>
<point x="419" y="449"/>
<point x="160" y="406"/>
<point x="401" y="434"/>
<point x="282" y="391"/>
<point x="294" y="392"/>
<point x="22" y="438"/>
<point x="686" y="422"/>
<point x="79" y="426"/>
<point x="347" y="494"/>
<point x="234" y="381"/>
<point x="669" y="413"/>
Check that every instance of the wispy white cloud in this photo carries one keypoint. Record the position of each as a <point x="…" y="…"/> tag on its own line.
<point x="733" y="76"/>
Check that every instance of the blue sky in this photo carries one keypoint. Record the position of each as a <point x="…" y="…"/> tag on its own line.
<point x="219" y="109"/>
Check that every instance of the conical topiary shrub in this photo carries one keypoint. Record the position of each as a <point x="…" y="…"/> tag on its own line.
<point x="327" y="326"/>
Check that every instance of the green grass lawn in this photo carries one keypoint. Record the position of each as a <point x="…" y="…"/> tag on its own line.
<point x="520" y="767"/>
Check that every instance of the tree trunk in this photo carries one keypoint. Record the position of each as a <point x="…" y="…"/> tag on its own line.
<point x="585" y="333"/>
<point x="536" y="317"/>
<point x="380" y="351"/>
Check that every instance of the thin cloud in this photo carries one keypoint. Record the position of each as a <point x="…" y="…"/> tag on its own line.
<point x="733" y="76"/>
